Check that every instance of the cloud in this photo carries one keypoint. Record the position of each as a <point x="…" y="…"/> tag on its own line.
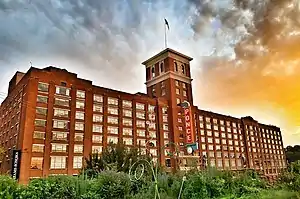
<point x="246" y="53"/>
<point x="262" y="78"/>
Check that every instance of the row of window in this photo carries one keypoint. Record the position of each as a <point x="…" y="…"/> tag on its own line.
<point x="56" y="162"/>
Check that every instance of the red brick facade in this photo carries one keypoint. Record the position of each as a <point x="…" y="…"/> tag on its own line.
<point x="56" y="119"/>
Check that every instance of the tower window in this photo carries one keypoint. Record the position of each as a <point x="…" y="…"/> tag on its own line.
<point x="153" y="91"/>
<point x="153" y="71"/>
<point x="175" y="66"/>
<point x="183" y="69"/>
<point x="162" y="68"/>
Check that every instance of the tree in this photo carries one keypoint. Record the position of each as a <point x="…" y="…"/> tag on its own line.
<point x="292" y="153"/>
<point x="114" y="157"/>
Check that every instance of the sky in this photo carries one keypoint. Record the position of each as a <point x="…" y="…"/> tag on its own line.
<point x="246" y="52"/>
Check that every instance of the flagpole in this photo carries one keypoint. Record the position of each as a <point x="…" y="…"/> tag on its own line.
<point x="165" y="35"/>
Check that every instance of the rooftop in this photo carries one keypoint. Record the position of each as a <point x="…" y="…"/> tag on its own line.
<point x="165" y="51"/>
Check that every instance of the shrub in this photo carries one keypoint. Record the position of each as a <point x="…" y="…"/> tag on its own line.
<point x="8" y="187"/>
<point x="110" y="184"/>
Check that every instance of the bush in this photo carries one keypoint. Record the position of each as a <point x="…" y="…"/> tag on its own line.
<point x="110" y="184"/>
<point x="8" y="187"/>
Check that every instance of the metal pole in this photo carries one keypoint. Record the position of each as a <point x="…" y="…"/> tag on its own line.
<point x="165" y="35"/>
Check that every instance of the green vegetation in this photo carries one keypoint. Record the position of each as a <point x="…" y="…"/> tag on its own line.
<point x="108" y="176"/>
<point x="292" y="153"/>
<point x="112" y="184"/>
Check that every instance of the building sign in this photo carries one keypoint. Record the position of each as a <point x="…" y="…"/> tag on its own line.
<point x="190" y="139"/>
<point x="15" y="169"/>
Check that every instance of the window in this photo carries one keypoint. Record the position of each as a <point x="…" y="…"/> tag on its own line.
<point x="97" y="138"/>
<point x="41" y="111"/>
<point x="151" y="108"/>
<point x="210" y="147"/>
<point x="97" y="108"/>
<point x="141" y="142"/>
<point x="38" y="135"/>
<point x="162" y="84"/>
<point x="58" y="147"/>
<point x="153" y="152"/>
<point x="61" y="112"/>
<point x="182" y="69"/>
<point x="113" y="111"/>
<point x="165" y="127"/>
<point x="36" y="163"/>
<point x="127" y="113"/>
<point x="184" y="85"/>
<point x="43" y="87"/>
<point x="97" y="128"/>
<point x="112" y="130"/>
<point x="152" y="134"/>
<point x="209" y="140"/>
<point x="127" y="104"/>
<point x="79" y="126"/>
<point x="140" y="115"/>
<point x="177" y="91"/>
<point x="62" y="102"/>
<point x="39" y="148"/>
<point x="77" y="162"/>
<point x="78" y="137"/>
<point x="42" y="99"/>
<point x="141" y="133"/>
<point x="224" y="142"/>
<point x="79" y="115"/>
<point x="178" y="101"/>
<point x="38" y="122"/>
<point x="58" y="162"/>
<point x="97" y="118"/>
<point x="112" y="120"/>
<point x="166" y="135"/>
<point x="128" y="141"/>
<point x="220" y="164"/>
<point x="140" y="106"/>
<point x="175" y="67"/>
<point x="111" y="139"/>
<point x="80" y="94"/>
<point x="163" y="92"/>
<point x="98" y="98"/>
<point x="112" y="101"/>
<point x="140" y="124"/>
<point x="127" y="131"/>
<point x="184" y="93"/>
<point x="96" y="149"/>
<point x="78" y="148"/>
<point x="208" y="126"/>
<point x="80" y="104"/>
<point x="59" y="136"/>
<point x="176" y="83"/>
<point x="153" y="71"/>
<point x="162" y="68"/>
<point x="127" y="122"/>
<point x="62" y="91"/>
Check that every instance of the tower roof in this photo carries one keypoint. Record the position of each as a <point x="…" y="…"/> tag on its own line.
<point x="166" y="51"/>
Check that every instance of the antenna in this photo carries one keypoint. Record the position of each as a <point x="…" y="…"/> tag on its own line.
<point x="30" y="64"/>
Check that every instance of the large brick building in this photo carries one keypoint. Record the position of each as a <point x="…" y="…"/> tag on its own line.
<point x="53" y="119"/>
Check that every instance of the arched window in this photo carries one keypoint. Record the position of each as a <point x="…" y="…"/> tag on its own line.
<point x="162" y="68"/>
<point x="153" y="71"/>
<point x="176" y="66"/>
<point x="183" y="69"/>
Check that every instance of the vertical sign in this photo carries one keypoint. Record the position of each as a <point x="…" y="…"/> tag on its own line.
<point x="190" y="139"/>
<point x="15" y="169"/>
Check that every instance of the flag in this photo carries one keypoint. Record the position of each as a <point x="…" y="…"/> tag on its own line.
<point x="166" y="22"/>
